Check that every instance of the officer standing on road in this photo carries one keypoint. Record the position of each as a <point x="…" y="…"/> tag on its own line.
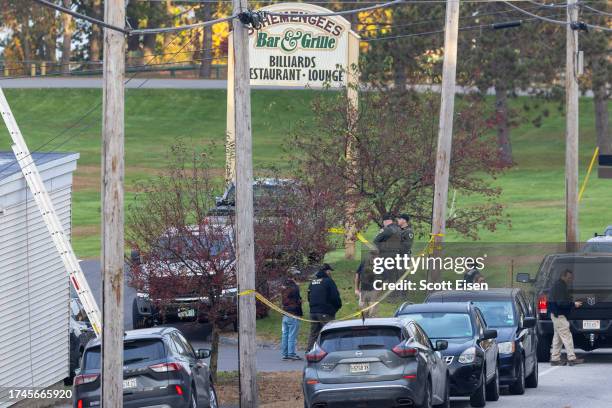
<point x="560" y="305"/>
<point x="406" y="234"/>
<point x="324" y="300"/>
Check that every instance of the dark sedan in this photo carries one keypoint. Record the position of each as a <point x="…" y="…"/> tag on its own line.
<point x="160" y="369"/>
<point x="507" y="311"/>
<point x="471" y="356"/>
<point x="375" y="363"/>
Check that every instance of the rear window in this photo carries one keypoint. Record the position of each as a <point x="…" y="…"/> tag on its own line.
<point x="587" y="273"/>
<point x="134" y="352"/>
<point x="360" y="338"/>
<point x="443" y="325"/>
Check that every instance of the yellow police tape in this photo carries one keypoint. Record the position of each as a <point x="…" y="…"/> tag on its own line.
<point x="428" y="249"/>
<point x="586" y="178"/>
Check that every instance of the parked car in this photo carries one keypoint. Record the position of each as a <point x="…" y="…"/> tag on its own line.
<point x="598" y="244"/>
<point x="173" y="249"/>
<point x="265" y="192"/>
<point x="508" y="312"/>
<point x="591" y="324"/>
<point x="377" y="363"/>
<point x="160" y="368"/>
<point x="472" y="353"/>
<point x="608" y="231"/>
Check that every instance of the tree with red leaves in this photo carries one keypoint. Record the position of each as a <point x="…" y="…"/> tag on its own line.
<point x="395" y="140"/>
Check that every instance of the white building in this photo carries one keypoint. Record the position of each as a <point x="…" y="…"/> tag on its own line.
<point x="34" y="285"/>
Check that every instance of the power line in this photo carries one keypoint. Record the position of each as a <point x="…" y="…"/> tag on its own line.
<point x="594" y="10"/>
<point x="81" y="16"/>
<point x="550" y="20"/>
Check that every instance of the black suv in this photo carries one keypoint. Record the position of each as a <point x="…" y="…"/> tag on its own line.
<point x="591" y="324"/>
<point x="471" y="356"/>
<point x="267" y="193"/>
<point x="508" y="312"/>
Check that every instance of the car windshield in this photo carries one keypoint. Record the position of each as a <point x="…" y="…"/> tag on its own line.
<point x="588" y="273"/>
<point x="440" y="325"/>
<point x="262" y="193"/>
<point x="360" y="338"/>
<point x="136" y="351"/>
<point x="169" y="248"/>
<point x="497" y="313"/>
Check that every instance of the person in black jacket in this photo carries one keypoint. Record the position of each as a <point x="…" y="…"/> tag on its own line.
<point x="292" y="303"/>
<point x="324" y="300"/>
<point x="560" y="305"/>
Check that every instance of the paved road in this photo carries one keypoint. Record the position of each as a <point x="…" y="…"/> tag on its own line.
<point x="585" y="386"/>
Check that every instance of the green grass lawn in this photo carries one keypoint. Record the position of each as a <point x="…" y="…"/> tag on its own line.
<point x="533" y="191"/>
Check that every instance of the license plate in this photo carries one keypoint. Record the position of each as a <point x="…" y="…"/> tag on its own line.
<point x="186" y="313"/>
<point x="359" y="368"/>
<point x="591" y="324"/>
<point x="130" y="383"/>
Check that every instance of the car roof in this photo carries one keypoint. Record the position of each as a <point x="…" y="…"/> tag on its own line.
<point x="140" y="334"/>
<point x="448" y="307"/>
<point x="469" y="295"/>
<point x="601" y="238"/>
<point x="379" y="321"/>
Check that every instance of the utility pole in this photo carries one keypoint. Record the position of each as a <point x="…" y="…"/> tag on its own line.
<point x="445" y="130"/>
<point x="245" y="254"/>
<point x="571" y="129"/>
<point x="112" y="206"/>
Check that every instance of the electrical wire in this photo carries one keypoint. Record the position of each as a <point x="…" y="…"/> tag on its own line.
<point x="550" y="20"/>
<point x="594" y="10"/>
<point x="81" y="16"/>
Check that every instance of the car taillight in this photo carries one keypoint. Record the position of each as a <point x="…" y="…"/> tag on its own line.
<point x="178" y="389"/>
<point x="80" y="404"/>
<point x="85" y="379"/>
<point x="404" y="350"/>
<point x="165" y="367"/>
<point x="316" y="354"/>
<point x="543" y="304"/>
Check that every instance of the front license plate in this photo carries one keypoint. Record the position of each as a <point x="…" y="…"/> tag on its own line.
<point x="591" y="324"/>
<point x="186" y="313"/>
<point x="359" y="368"/>
<point x="129" y="383"/>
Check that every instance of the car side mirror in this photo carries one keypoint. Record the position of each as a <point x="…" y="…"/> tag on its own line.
<point x="523" y="277"/>
<point x="489" y="334"/>
<point x="529" y="322"/>
<point x="441" y="345"/>
<point x="203" y="354"/>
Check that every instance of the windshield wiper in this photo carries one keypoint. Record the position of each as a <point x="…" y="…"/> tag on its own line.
<point x="134" y="360"/>
<point x="370" y="346"/>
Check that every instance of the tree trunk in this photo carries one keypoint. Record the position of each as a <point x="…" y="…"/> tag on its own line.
<point x="214" y="350"/>
<point x="207" y="43"/>
<point x="95" y="42"/>
<point x="503" y="128"/>
<point x="67" y="38"/>
<point x="604" y="138"/>
<point x="149" y="49"/>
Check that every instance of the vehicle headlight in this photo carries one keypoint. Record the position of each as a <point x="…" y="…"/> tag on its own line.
<point x="468" y="356"/>
<point x="507" y="347"/>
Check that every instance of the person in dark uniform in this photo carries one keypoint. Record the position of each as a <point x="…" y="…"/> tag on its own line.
<point x="388" y="245"/>
<point x="324" y="300"/>
<point x="472" y="275"/>
<point x="406" y="234"/>
<point x="560" y="305"/>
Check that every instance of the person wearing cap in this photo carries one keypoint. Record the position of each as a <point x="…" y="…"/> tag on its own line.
<point x="364" y="285"/>
<point x="406" y="234"/>
<point x="324" y="300"/>
<point x="292" y="303"/>
<point x="388" y="245"/>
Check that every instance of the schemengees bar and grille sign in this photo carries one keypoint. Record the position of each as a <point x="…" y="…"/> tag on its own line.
<point x="306" y="50"/>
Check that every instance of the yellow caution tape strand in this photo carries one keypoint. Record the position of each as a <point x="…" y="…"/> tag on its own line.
<point x="586" y="178"/>
<point x="273" y="306"/>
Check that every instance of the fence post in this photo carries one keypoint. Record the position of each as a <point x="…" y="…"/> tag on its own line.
<point x="33" y="70"/>
<point x="43" y="69"/>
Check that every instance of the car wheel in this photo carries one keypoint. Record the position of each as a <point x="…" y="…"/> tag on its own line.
<point x="427" y="397"/>
<point x="213" y="401"/>
<point x="478" y="398"/>
<point x="492" y="390"/>
<point x="532" y="380"/>
<point x="518" y="387"/>
<point x="543" y="349"/>
<point x="446" y="402"/>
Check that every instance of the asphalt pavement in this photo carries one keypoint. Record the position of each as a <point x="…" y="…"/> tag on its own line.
<point x="583" y="386"/>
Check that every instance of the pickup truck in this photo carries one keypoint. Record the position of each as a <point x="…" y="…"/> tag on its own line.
<point x="591" y="324"/>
